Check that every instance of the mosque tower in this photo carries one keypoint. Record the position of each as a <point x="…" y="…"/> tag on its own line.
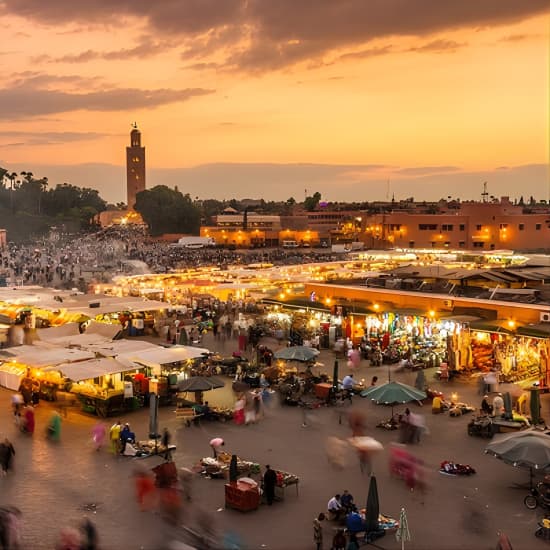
<point x="135" y="167"/>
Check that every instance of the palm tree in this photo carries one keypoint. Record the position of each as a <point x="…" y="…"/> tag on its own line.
<point x="12" y="177"/>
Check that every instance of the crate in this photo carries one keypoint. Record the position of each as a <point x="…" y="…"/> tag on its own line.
<point x="244" y="501"/>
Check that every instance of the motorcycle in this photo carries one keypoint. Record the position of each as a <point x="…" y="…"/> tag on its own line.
<point x="538" y="496"/>
<point x="543" y="531"/>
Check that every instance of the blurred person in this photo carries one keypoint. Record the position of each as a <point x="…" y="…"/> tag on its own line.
<point x="114" y="437"/>
<point x="53" y="430"/>
<point x="353" y="543"/>
<point x="10" y="528"/>
<point x="339" y="540"/>
<point x="498" y="405"/>
<point x="126" y="436"/>
<point x="69" y="539"/>
<point x="7" y="452"/>
<point x="347" y="386"/>
<point x="186" y="482"/>
<point x="28" y="422"/>
<point x="17" y="405"/>
<point x="165" y="442"/>
<point x="318" y="530"/>
<point x="346" y="500"/>
<point x="357" y="421"/>
<point x="215" y="444"/>
<point x="270" y="482"/>
<point x="336" y="452"/>
<point x="89" y="535"/>
<point x="145" y="488"/>
<point x="99" y="432"/>
<point x="334" y="507"/>
<point x="238" y="414"/>
<point x="474" y="513"/>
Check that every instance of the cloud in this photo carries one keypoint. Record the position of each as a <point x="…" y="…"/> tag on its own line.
<point x="369" y="52"/>
<point x="47" y="138"/>
<point x="263" y="35"/>
<point x="438" y="46"/>
<point x="147" y="47"/>
<point x="30" y="98"/>
<point x="424" y="170"/>
<point x="517" y="37"/>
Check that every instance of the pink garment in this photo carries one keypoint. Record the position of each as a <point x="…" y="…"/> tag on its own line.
<point x="99" y="432"/>
<point x="216" y="442"/>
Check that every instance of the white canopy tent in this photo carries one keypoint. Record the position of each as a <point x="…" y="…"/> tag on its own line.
<point x="94" y="368"/>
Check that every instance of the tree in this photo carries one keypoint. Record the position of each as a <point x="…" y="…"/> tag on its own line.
<point x="166" y="210"/>
<point x="310" y="203"/>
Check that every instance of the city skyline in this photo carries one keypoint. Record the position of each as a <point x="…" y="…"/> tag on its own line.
<point x="357" y="100"/>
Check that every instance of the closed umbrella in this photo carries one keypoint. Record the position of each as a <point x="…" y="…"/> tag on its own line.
<point x="335" y="376"/>
<point x="403" y="534"/>
<point x="534" y="405"/>
<point x="508" y="412"/>
<point x="183" y="340"/>
<point x="297" y="353"/>
<point x="373" y="508"/>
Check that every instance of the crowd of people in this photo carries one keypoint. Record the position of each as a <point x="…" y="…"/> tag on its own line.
<point x="64" y="261"/>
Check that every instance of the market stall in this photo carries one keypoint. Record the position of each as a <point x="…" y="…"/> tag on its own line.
<point x="218" y="468"/>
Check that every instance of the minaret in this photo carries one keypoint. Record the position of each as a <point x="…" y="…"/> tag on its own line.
<point x="135" y="167"/>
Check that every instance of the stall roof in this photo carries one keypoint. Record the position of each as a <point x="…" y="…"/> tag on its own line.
<point x="541" y="330"/>
<point x="460" y="318"/>
<point x="86" y="370"/>
<point x="113" y="348"/>
<point x="491" y="326"/>
<point x="164" y="356"/>
<point x="40" y="356"/>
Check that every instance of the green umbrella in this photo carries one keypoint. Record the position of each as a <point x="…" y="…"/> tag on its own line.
<point x="393" y="393"/>
<point x="534" y="406"/>
<point x="297" y="353"/>
<point x="402" y="532"/>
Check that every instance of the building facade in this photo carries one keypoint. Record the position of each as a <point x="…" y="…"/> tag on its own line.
<point x="472" y="226"/>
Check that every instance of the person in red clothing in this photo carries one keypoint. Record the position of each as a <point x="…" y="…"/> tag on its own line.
<point x="145" y="489"/>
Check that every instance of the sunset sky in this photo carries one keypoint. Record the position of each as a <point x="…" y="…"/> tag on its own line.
<point x="357" y="99"/>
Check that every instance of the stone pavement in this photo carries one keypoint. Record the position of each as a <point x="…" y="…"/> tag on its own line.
<point x="56" y="485"/>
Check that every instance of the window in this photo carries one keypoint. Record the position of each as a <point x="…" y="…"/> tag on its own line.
<point x="411" y="244"/>
<point x="462" y="227"/>
<point x="447" y="227"/>
<point x="478" y="244"/>
<point x="479" y="227"/>
<point x="461" y="244"/>
<point x="427" y="226"/>
<point x="521" y="226"/>
<point x="503" y="226"/>
<point x="395" y="227"/>
<point x="538" y="226"/>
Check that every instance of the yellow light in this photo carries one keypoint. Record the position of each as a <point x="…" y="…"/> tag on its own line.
<point x="327" y="300"/>
<point x="376" y="306"/>
<point x="282" y="296"/>
<point x="511" y="323"/>
<point x="431" y="313"/>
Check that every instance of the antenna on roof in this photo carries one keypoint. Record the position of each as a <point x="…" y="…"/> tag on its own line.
<point x="485" y="194"/>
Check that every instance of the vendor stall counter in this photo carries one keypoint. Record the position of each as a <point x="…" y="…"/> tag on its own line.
<point x="242" y="495"/>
